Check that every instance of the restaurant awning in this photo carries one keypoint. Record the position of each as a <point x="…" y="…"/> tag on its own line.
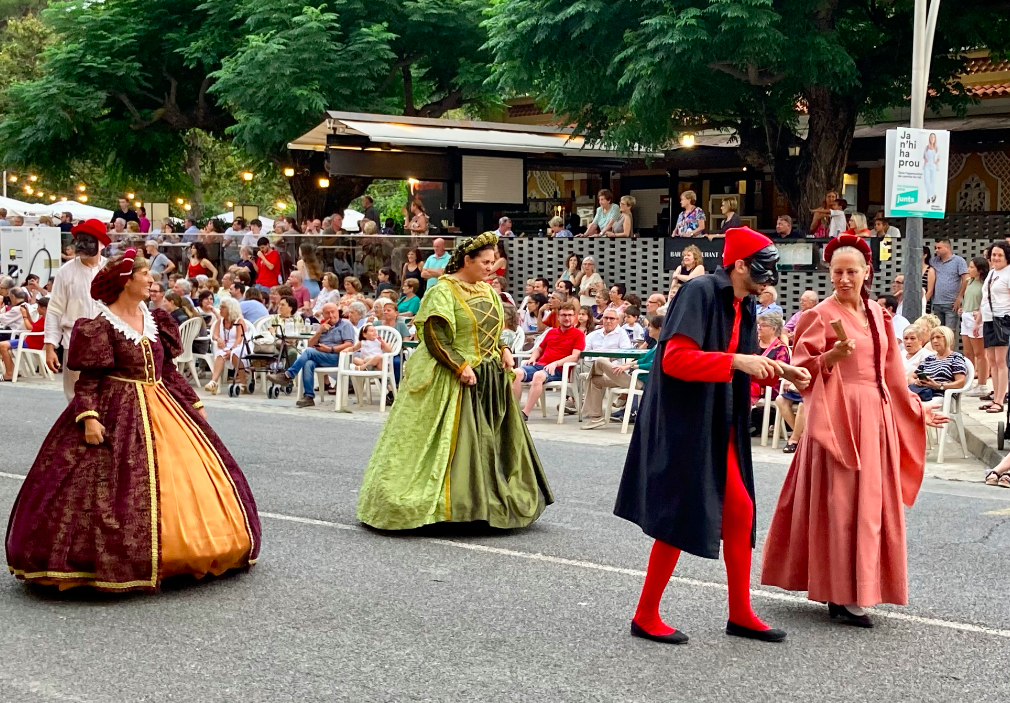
<point x="390" y="132"/>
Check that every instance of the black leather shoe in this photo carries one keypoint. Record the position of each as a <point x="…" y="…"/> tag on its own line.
<point x="769" y="635"/>
<point x="842" y="614"/>
<point x="675" y="637"/>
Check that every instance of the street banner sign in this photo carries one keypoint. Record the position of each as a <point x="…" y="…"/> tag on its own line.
<point x="916" y="174"/>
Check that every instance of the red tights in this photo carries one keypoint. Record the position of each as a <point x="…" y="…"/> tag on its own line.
<point x="737" y="517"/>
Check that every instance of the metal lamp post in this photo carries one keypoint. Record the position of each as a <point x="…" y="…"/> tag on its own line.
<point x="924" y="25"/>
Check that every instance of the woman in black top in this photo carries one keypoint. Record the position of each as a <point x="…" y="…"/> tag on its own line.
<point x="412" y="269"/>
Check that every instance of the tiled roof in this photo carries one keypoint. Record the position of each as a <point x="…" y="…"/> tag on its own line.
<point x="524" y="110"/>
<point x="978" y="69"/>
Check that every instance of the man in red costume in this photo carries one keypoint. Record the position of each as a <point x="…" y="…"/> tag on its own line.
<point x="688" y="480"/>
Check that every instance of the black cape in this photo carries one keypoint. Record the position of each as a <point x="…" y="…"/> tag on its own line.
<point x="675" y="474"/>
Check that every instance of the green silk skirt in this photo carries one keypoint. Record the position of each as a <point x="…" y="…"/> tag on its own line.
<point x="455" y="453"/>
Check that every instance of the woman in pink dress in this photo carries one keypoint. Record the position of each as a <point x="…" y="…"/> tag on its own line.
<point x="838" y="531"/>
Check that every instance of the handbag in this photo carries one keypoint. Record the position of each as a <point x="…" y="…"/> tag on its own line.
<point x="1000" y="325"/>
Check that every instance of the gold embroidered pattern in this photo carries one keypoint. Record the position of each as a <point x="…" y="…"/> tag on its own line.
<point x="86" y="413"/>
<point x="197" y="405"/>
<point x="152" y="482"/>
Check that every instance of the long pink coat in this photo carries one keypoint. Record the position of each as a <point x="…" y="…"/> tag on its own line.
<point x="838" y="531"/>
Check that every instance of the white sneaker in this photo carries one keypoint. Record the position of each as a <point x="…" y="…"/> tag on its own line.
<point x="594" y="423"/>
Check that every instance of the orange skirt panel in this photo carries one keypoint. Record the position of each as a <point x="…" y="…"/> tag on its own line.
<point x="203" y="527"/>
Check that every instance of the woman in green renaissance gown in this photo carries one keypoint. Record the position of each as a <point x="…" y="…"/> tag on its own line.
<point x="455" y="447"/>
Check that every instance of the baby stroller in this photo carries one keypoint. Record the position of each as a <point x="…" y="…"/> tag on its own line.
<point x="269" y="355"/>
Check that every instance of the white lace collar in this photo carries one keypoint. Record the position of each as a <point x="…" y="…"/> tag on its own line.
<point x="124" y="328"/>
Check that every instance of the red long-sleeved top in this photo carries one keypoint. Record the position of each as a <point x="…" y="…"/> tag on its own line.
<point x="685" y="360"/>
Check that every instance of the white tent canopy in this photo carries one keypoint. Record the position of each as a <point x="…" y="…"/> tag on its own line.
<point x="351" y="220"/>
<point x="80" y="211"/>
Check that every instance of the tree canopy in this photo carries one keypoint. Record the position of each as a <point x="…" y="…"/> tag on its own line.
<point x="126" y="83"/>
<point x="781" y="73"/>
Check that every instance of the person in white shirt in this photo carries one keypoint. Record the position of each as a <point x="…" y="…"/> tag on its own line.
<point x="604" y="373"/>
<point x="995" y="309"/>
<point x="631" y="326"/>
<point x="609" y="336"/>
<point x="838" y="222"/>
<point x="71" y="297"/>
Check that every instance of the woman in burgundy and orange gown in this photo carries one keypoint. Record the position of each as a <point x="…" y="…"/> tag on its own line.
<point x="838" y="531"/>
<point x="131" y="485"/>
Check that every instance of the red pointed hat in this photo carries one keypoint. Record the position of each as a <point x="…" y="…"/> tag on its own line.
<point x="96" y="228"/>
<point x="742" y="242"/>
<point x="849" y="240"/>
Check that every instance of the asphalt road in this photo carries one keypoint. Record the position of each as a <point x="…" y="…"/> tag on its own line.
<point x="334" y="612"/>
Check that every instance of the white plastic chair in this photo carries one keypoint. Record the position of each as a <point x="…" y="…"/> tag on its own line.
<point x="188" y="331"/>
<point x="383" y="375"/>
<point x="632" y="392"/>
<point x="565" y="386"/>
<point x="780" y="430"/>
<point x="952" y="408"/>
<point x="37" y="356"/>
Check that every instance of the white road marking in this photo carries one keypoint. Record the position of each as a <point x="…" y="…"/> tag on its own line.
<point x="581" y="564"/>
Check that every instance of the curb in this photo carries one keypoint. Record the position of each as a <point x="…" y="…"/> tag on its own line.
<point x="981" y="442"/>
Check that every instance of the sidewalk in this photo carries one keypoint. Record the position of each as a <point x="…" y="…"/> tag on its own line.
<point x="980" y="428"/>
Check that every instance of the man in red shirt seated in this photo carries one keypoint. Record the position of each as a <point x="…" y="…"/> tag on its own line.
<point x="553" y="350"/>
<point x="31" y="342"/>
<point x="268" y="266"/>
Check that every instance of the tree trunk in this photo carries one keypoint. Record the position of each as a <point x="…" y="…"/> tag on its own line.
<point x="311" y="201"/>
<point x="804" y="179"/>
<point x="194" y="162"/>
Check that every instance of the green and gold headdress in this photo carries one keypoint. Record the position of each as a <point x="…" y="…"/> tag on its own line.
<point x="468" y="246"/>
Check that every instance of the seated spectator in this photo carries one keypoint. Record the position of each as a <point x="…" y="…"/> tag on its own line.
<point x="890" y="303"/>
<point x="299" y="291"/>
<point x="38" y="325"/>
<point x="288" y="319"/>
<point x="389" y="317"/>
<point x="409" y="302"/>
<point x="914" y="353"/>
<point x="352" y="293"/>
<point x="634" y="329"/>
<point x="602" y="301"/>
<point x="769" y="329"/>
<point x="766" y="301"/>
<point x="368" y="350"/>
<point x="551" y="352"/>
<point x="357" y="314"/>
<point x="808" y="301"/>
<point x="33" y="291"/>
<point x="510" y="326"/>
<point x="178" y="307"/>
<point x="653" y="304"/>
<point x="183" y="288"/>
<point x="205" y="306"/>
<point x="617" y="293"/>
<point x="566" y="287"/>
<point x="16" y="316"/>
<point x="549" y="314"/>
<point x="251" y="303"/>
<point x="328" y="293"/>
<point x="157" y="295"/>
<point x="606" y="374"/>
<point x="530" y="318"/>
<point x="609" y="336"/>
<point x="230" y="336"/>
<point x="499" y="283"/>
<point x="790" y="406"/>
<point x="323" y="349"/>
<point x="586" y="323"/>
<point x="691" y="266"/>
<point x="926" y="324"/>
<point x="944" y="369"/>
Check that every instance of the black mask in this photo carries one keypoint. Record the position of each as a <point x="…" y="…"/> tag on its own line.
<point x="85" y="244"/>
<point x="763" y="265"/>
